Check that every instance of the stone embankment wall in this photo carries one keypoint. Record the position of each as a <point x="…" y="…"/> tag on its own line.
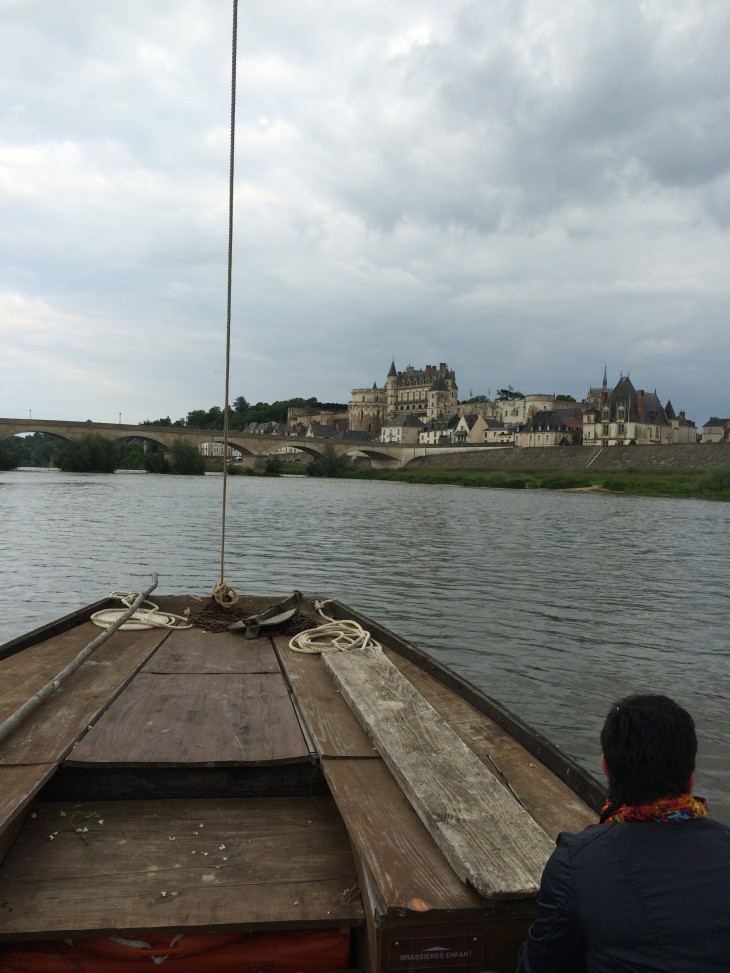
<point x="574" y="458"/>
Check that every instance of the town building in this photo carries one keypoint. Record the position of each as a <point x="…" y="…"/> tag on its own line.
<point x="516" y="411"/>
<point x="556" y="427"/>
<point x="716" y="430"/>
<point x="404" y="429"/>
<point x="299" y="418"/>
<point x="215" y="451"/>
<point x="623" y="415"/>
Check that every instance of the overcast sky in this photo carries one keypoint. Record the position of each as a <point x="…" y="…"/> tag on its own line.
<point x="528" y="190"/>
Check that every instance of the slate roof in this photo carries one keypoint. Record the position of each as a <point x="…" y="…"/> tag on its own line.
<point x="624" y="394"/>
<point x="325" y="432"/>
<point x="451" y="423"/>
<point x="545" y="421"/>
<point x="440" y="385"/>
<point x="353" y="435"/>
<point x="406" y="419"/>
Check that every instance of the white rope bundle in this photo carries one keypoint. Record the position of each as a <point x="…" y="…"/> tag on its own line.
<point x="339" y="636"/>
<point x="143" y="618"/>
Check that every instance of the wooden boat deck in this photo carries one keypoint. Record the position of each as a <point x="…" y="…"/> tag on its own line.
<point x="182" y="781"/>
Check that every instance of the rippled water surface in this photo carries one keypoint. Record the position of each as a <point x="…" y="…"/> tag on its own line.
<point x="553" y="603"/>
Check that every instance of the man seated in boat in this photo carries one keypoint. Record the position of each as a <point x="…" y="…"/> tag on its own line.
<point x="648" y="888"/>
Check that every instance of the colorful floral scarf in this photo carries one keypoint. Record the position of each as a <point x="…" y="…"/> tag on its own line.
<point x="668" y="809"/>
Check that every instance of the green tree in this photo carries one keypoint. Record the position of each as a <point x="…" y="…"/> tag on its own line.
<point x="329" y="463"/>
<point x="155" y="461"/>
<point x="37" y="449"/>
<point x="564" y="398"/>
<point x="197" y="419"/>
<point x="131" y="456"/>
<point x="186" y="459"/>
<point x="167" y="421"/>
<point x="508" y="394"/>
<point x="7" y="462"/>
<point x="91" y="454"/>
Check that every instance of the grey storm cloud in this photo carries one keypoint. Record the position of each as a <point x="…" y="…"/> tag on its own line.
<point x="527" y="190"/>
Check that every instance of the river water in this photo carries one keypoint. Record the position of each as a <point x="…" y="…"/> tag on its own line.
<point x="553" y="603"/>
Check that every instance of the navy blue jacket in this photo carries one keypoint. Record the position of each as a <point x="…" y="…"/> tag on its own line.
<point x="640" y="897"/>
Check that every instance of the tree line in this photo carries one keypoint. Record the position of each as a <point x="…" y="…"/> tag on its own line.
<point x="95" y="454"/>
<point x="241" y="413"/>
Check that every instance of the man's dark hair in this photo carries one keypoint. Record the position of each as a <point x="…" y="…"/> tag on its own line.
<point x="649" y="744"/>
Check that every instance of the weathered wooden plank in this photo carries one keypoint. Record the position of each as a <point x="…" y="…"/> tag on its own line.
<point x="549" y="800"/>
<point x="334" y="729"/>
<point x="48" y="733"/>
<point x="563" y="765"/>
<point x="409" y="869"/>
<point x="18" y="785"/>
<point x="210" y="719"/>
<point x="220" y="864"/>
<point x="194" y="650"/>
<point x="488" y="838"/>
<point x="23" y="674"/>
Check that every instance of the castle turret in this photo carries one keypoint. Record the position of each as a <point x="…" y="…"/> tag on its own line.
<point x="391" y="391"/>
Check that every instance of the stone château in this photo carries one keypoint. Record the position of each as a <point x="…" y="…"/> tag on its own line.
<point x="430" y="393"/>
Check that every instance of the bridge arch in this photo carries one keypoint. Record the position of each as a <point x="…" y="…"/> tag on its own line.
<point x="243" y="448"/>
<point x="387" y="459"/>
<point x="65" y="436"/>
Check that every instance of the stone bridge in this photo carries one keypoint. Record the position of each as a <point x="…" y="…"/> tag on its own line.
<point x="381" y="455"/>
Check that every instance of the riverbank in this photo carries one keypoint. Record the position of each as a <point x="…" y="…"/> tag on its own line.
<point x="680" y="471"/>
<point x="580" y="458"/>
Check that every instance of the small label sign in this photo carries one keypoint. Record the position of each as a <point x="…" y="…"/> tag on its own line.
<point x="436" y="953"/>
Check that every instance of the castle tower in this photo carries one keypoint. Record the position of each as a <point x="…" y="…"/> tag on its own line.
<point x="391" y="391"/>
<point x="366" y="410"/>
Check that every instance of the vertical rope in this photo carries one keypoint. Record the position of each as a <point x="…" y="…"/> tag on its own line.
<point x="222" y="592"/>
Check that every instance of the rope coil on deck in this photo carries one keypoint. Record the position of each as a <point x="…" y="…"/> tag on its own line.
<point x="143" y="618"/>
<point x="343" y="635"/>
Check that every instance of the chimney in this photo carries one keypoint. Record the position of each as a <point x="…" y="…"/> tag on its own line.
<point x="640" y="404"/>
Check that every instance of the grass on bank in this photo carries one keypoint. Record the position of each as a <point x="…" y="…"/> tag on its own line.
<point x="707" y="484"/>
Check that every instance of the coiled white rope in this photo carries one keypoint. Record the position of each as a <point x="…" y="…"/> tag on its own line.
<point x="142" y="618"/>
<point x="344" y="635"/>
